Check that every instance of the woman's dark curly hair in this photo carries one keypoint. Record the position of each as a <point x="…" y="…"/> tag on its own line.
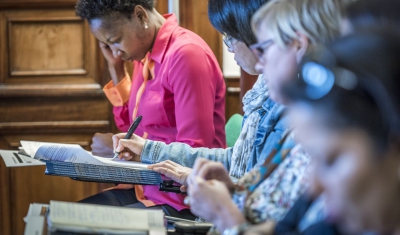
<point x="92" y="9"/>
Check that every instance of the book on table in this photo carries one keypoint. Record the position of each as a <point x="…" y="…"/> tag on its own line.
<point x="80" y="218"/>
<point x="71" y="160"/>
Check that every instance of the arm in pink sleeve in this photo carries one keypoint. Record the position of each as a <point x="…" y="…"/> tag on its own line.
<point x="121" y="117"/>
<point x="195" y="78"/>
<point x="118" y="95"/>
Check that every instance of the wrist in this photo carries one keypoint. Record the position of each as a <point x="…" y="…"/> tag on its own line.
<point x="117" y="72"/>
<point x="229" y="217"/>
<point x="140" y="145"/>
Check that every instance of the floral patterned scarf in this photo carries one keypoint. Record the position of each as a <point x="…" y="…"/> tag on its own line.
<point x="252" y="101"/>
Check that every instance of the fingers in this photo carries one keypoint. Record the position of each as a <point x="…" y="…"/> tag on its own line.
<point x="135" y="144"/>
<point x="196" y="167"/>
<point x="126" y="156"/>
<point x="116" y="139"/>
<point x="172" y="170"/>
<point x="183" y="188"/>
<point x="208" y="170"/>
<point x="167" y="163"/>
<point x="195" y="185"/>
<point x="123" y="143"/>
<point x="211" y="168"/>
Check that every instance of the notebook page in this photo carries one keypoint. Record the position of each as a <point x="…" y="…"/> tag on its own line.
<point x="102" y="217"/>
<point x="65" y="153"/>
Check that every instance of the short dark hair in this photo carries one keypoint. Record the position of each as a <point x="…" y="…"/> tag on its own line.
<point x="372" y="106"/>
<point x="233" y="17"/>
<point x="92" y="9"/>
<point x="366" y="13"/>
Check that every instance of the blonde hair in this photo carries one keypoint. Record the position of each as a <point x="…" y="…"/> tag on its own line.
<point x="318" y="20"/>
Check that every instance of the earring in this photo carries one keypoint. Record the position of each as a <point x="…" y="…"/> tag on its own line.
<point x="145" y="25"/>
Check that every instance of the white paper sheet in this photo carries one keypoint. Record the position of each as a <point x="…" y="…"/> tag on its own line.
<point x="13" y="159"/>
<point x="95" y="218"/>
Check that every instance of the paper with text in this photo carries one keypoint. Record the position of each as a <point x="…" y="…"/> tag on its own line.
<point x="73" y="153"/>
<point x="13" y="159"/>
<point x="100" y="218"/>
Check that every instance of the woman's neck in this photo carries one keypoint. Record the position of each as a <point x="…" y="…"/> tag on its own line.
<point x="158" y="20"/>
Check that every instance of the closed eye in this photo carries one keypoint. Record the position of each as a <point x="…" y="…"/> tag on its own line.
<point x="114" y="41"/>
<point x="118" y="40"/>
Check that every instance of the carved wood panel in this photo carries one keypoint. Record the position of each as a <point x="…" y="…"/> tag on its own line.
<point x="50" y="90"/>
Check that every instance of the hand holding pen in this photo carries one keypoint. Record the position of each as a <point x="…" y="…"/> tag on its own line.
<point x="119" y="144"/>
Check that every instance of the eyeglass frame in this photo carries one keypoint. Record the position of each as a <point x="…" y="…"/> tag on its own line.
<point x="229" y="41"/>
<point x="259" y="48"/>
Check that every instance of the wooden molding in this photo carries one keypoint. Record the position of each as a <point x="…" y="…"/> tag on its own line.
<point x="54" y="127"/>
<point x="18" y="4"/>
<point x="51" y="90"/>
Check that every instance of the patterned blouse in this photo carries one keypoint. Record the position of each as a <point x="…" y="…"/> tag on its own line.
<point x="269" y="198"/>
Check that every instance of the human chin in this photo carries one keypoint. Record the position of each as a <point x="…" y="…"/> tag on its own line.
<point x="249" y="69"/>
<point x="275" y="95"/>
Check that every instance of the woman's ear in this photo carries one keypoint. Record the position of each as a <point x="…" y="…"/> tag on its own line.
<point x="141" y="14"/>
<point x="302" y="46"/>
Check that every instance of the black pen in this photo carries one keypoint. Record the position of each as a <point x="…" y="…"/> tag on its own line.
<point x="132" y="129"/>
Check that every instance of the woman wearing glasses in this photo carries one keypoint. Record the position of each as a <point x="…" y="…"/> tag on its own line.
<point x="262" y="115"/>
<point x="263" y="124"/>
<point x="286" y="30"/>
<point x="180" y="99"/>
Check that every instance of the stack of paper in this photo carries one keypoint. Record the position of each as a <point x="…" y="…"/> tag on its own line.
<point x="73" y="161"/>
<point x="78" y="218"/>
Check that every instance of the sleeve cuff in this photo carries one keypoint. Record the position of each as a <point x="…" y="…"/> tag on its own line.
<point x="118" y="95"/>
<point x="151" y="150"/>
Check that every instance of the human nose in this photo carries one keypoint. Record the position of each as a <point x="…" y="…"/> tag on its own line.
<point x="259" y="67"/>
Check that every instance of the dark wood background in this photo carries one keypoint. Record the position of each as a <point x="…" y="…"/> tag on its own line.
<point x="51" y="79"/>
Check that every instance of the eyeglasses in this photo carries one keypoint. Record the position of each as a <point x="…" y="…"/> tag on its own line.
<point x="259" y="48"/>
<point x="229" y="41"/>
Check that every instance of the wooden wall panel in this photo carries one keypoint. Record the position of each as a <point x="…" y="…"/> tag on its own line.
<point x="51" y="78"/>
<point x="161" y="6"/>
<point x="193" y="16"/>
<point x="246" y="82"/>
<point x="233" y="101"/>
<point x="31" y="185"/>
<point x="5" y="194"/>
<point x="60" y="109"/>
<point x="61" y="49"/>
<point x="49" y="43"/>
